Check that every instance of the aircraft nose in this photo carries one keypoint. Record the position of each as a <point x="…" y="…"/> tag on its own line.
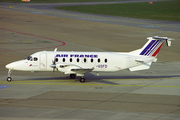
<point x="9" y="66"/>
<point x="13" y="65"/>
<point x="17" y="65"/>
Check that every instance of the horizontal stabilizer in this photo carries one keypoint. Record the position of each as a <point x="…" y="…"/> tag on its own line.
<point x="146" y="60"/>
<point x="144" y="66"/>
<point x="168" y="40"/>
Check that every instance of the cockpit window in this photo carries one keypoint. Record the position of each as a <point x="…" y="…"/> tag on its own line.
<point x="29" y="57"/>
<point x="35" y="58"/>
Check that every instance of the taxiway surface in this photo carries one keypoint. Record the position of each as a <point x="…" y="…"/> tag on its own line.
<point x="150" y="94"/>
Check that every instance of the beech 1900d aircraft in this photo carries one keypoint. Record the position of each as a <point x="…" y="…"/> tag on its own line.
<point x="79" y="63"/>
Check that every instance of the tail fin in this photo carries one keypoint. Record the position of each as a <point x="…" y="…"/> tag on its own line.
<point x="153" y="46"/>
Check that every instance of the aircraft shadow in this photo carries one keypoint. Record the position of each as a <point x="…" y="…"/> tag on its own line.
<point x="102" y="79"/>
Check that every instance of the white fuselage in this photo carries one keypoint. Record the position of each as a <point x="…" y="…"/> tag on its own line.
<point x="80" y="63"/>
<point x="99" y="61"/>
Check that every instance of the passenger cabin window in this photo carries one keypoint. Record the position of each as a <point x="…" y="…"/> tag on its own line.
<point x="85" y="59"/>
<point x="105" y="60"/>
<point x="77" y="59"/>
<point x="99" y="60"/>
<point x="70" y="60"/>
<point x="56" y="59"/>
<point x="64" y="60"/>
<point x="92" y="60"/>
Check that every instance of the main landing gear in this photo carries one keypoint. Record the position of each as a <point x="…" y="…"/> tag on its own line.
<point x="9" y="76"/>
<point x="72" y="76"/>
<point x="81" y="79"/>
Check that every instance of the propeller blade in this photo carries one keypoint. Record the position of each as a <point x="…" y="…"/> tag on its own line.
<point x="53" y="65"/>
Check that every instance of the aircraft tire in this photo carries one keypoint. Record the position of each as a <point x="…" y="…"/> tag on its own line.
<point x="9" y="79"/>
<point x="82" y="80"/>
<point x="72" y="76"/>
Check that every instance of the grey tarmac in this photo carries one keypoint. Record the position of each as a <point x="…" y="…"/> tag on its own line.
<point x="146" y="95"/>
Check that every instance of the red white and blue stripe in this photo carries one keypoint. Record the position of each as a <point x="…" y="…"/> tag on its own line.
<point x="152" y="48"/>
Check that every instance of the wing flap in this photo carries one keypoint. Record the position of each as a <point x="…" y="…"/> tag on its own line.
<point x="82" y="70"/>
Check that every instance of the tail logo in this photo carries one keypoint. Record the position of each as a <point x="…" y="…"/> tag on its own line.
<point x="152" y="48"/>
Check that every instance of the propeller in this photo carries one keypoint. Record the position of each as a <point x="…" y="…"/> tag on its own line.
<point x="54" y="62"/>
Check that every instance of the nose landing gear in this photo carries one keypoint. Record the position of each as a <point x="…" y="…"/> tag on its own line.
<point x="9" y="79"/>
<point x="9" y="75"/>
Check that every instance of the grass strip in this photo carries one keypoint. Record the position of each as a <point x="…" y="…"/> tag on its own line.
<point x="53" y="1"/>
<point x="162" y="10"/>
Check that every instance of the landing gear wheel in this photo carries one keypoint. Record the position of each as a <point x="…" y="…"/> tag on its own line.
<point x="9" y="79"/>
<point x="72" y="76"/>
<point x="82" y="80"/>
<point x="9" y="75"/>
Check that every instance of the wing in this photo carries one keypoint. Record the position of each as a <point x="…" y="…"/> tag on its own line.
<point x="82" y="70"/>
<point x="73" y="69"/>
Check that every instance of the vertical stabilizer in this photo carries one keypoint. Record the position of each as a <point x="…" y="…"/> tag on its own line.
<point x="153" y="46"/>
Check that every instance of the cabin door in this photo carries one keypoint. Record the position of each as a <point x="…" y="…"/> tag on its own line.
<point x="43" y="61"/>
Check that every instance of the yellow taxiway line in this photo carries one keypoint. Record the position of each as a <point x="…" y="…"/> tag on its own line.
<point x="72" y="82"/>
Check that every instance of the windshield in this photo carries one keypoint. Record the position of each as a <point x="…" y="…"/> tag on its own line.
<point x="29" y="57"/>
